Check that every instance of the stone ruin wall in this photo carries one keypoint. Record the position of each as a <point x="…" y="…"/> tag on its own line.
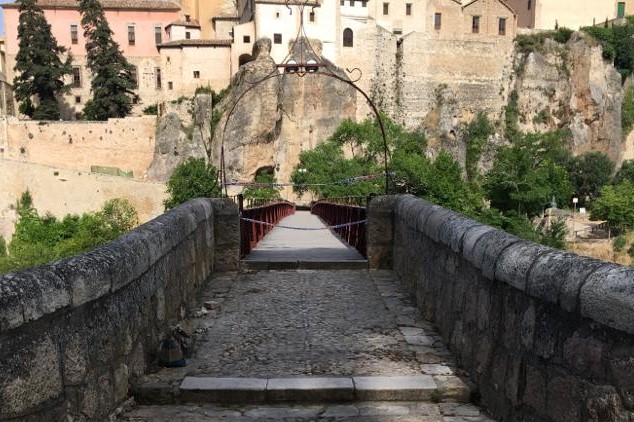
<point x="127" y="144"/>
<point x="75" y="332"/>
<point x="545" y="334"/>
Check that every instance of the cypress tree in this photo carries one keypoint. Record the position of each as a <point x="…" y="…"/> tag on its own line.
<point x="39" y="68"/>
<point x="112" y="75"/>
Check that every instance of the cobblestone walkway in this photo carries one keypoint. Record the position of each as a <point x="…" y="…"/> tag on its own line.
<point x="270" y="324"/>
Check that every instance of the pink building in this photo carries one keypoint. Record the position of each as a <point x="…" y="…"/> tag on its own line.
<point x="138" y="26"/>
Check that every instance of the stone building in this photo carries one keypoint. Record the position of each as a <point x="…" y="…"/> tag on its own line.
<point x="573" y="14"/>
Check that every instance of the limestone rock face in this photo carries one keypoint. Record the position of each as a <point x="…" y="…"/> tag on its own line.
<point x="182" y="132"/>
<point x="269" y="117"/>
<point x="570" y="86"/>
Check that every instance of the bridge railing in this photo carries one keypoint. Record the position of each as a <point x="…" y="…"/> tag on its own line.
<point x="257" y="218"/>
<point x="347" y="216"/>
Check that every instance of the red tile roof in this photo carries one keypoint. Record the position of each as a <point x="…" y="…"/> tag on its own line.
<point x="107" y="4"/>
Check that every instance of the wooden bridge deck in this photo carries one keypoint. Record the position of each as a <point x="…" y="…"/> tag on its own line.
<point x="284" y="245"/>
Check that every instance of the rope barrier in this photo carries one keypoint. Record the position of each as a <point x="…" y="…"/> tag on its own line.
<point x="348" y="181"/>
<point x="338" y="226"/>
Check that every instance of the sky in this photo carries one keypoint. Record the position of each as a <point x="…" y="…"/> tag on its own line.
<point x="2" y="16"/>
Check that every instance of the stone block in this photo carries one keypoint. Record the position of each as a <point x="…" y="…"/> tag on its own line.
<point x="471" y="238"/>
<point x="415" y="387"/>
<point x="435" y="222"/>
<point x="222" y="390"/>
<point x="453" y="388"/>
<point x="557" y="276"/>
<point x="312" y="389"/>
<point x="535" y="390"/>
<point x="452" y="231"/>
<point x="514" y="263"/>
<point x="567" y="401"/>
<point x="487" y="251"/>
<point x="38" y="378"/>
<point x="608" y="297"/>
<point x="88" y="275"/>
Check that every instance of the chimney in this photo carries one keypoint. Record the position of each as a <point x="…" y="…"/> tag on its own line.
<point x="186" y="18"/>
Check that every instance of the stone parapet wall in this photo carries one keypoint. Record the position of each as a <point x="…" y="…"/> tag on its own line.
<point x="546" y="335"/>
<point x="75" y="332"/>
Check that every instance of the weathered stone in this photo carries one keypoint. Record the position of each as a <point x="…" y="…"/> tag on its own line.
<point x="488" y="249"/>
<point x="394" y="388"/>
<point x="37" y="378"/>
<point x="514" y="263"/>
<point x="608" y="297"/>
<point x="313" y="389"/>
<point x="564" y="402"/>
<point x="435" y="369"/>
<point x="452" y="388"/>
<point x="280" y="413"/>
<point x="340" y="411"/>
<point x="223" y="390"/>
<point x="471" y="238"/>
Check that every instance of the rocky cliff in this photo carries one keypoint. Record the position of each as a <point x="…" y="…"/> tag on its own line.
<point x="269" y="117"/>
<point x="570" y="86"/>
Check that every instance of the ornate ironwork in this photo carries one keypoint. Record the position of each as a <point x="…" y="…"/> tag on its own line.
<point x="307" y="61"/>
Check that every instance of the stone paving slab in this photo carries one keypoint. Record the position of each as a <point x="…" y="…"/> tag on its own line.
<point x="310" y="389"/>
<point x="353" y="412"/>
<point x="222" y="390"/>
<point x="418" y="387"/>
<point x="287" y="245"/>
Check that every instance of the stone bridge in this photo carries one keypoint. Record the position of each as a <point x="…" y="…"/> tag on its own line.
<point x="531" y="333"/>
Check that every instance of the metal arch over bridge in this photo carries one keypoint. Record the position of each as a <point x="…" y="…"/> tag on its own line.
<point x="308" y="62"/>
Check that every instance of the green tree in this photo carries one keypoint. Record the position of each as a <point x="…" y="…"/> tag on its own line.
<point x="263" y="175"/>
<point x="40" y="70"/>
<point x="615" y="204"/>
<point x="476" y="136"/>
<point x="112" y="75"/>
<point x="626" y="172"/>
<point x="40" y="239"/>
<point x="590" y="172"/>
<point x="192" y="179"/>
<point x="528" y="174"/>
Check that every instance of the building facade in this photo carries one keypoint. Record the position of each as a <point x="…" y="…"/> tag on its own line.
<point x="139" y="26"/>
<point x="573" y="14"/>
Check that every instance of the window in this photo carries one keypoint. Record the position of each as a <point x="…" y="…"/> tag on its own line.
<point x="188" y="35"/>
<point x="408" y="9"/>
<point x="277" y="38"/>
<point x="386" y="8"/>
<point x="437" y="21"/>
<point x="158" y="34"/>
<point x="475" y="24"/>
<point x="364" y="3"/>
<point x="620" y="11"/>
<point x="502" y="26"/>
<point x="196" y="74"/>
<point x="77" y="99"/>
<point x="342" y="2"/>
<point x="351" y="3"/>
<point x="76" y="77"/>
<point x="277" y="14"/>
<point x="311" y="16"/>
<point x="246" y="39"/>
<point x="157" y="73"/>
<point x="73" y="34"/>
<point x="131" y="35"/>
<point x="170" y="85"/>
<point x="135" y="77"/>
<point x="530" y="4"/>
<point x="348" y="37"/>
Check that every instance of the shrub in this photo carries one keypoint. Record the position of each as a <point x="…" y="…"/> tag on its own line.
<point x="192" y="179"/>
<point x="151" y="109"/>
<point x="618" y="243"/>
<point x="562" y="35"/>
